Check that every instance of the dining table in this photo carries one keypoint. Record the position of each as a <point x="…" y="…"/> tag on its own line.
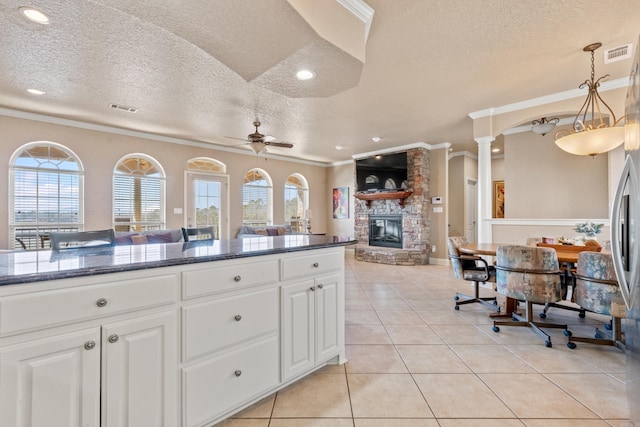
<point x="566" y="255"/>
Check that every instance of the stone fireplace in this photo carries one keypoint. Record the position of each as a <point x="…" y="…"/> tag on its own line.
<point x="409" y="208"/>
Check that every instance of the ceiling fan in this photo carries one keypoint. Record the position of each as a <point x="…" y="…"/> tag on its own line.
<point x="259" y="142"/>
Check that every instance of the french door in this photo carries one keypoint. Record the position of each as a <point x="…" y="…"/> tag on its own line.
<point x="208" y="202"/>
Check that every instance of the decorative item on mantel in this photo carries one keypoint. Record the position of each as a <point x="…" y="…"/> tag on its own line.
<point x="589" y="228"/>
<point x="591" y="135"/>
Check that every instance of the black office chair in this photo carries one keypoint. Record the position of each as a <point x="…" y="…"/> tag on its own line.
<point x="77" y="239"/>
<point x="198" y="233"/>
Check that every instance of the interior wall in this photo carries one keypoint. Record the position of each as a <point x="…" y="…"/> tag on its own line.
<point x="341" y="176"/>
<point x="543" y="181"/>
<point x="100" y="151"/>
<point x="438" y="183"/>
<point x="456" y="200"/>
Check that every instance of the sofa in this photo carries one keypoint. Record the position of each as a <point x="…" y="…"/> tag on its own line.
<point x="265" y="230"/>
<point x="149" y="236"/>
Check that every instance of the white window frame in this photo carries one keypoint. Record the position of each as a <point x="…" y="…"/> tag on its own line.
<point x="302" y="188"/>
<point x="268" y="188"/>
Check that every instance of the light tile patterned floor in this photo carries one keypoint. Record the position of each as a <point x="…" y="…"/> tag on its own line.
<point x="416" y="362"/>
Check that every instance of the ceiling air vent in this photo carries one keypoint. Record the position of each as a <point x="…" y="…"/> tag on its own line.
<point x="618" y="53"/>
<point x="123" y="108"/>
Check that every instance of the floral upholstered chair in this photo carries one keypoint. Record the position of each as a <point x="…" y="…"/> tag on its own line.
<point x="529" y="274"/>
<point x="472" y="268"/>
<point x="597" y="291"/>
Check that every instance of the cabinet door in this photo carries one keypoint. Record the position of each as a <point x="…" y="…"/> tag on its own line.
<point x="139" y="372"/>
<point x="298" y="328"/>
<point x="329" y="317"/>
<point x="53" y="382"/>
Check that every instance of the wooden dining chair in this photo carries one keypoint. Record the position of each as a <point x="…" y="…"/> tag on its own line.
<point x="79" y="239"/>
<point x="198" y="233"/>
<point x="472" y="268"/>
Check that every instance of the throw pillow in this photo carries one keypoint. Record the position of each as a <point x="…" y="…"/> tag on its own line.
<point x="272" y="231"/>
<point x="139" y="240"/>
<point x="124" y="240"/>
<point x="260" y="231"/>
<point x="282" y="231"/>
<point x="159" y="238"/>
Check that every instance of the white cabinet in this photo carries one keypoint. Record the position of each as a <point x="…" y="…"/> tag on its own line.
<point x="312" y="324"/>
<point x="58" y="381"/>
<point x="53" y="382"/>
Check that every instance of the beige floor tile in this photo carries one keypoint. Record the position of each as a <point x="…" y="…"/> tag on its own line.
<point x="357" y="304"/>
<point x="361" y="317"/>
<point x="558" y="359"/>
<point x="261" y="409"/>
<point x="598" y="392"/>
<point x="462" y="334"/>
<point x="395" y="422"/>
<point x="374" y="359"/>
<point x="460" y="396"/>
<point x="366" y="334"/>
<point x="491" y="359"/>
<point x="393" y="304"/>
<point x="431" y="359"/>
<point x="316" y="396"/>
<point x="400" y="318"/>
<point x="442" y="317"/>
<point x="233" y="422"/>
<point x="565" y="423"/>
<point x="609" y="359"/>
<point x="386" y="396"/>
<point x="428" y="304"/>
<point x="534" y="396"/>
<point x="464" y="422"/>
<point x="413" y="334"/>
<point x="311" y="422"/>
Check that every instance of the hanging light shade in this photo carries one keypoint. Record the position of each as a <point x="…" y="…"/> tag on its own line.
<point x="544" y="125"/>
<point x="591" y="134"/>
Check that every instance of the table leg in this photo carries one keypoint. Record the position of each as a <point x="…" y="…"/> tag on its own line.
<point x="510" y="307"/>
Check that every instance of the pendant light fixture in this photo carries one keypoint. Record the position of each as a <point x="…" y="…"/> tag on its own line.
<point x="544" y="125"/>
<point x="591" y="135"/>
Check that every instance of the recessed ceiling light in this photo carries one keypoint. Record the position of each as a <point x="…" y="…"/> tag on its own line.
<point x="125" y="108"/>
<point x="35" y="15"/>
<point x="35" y="91"/>
<point x="339" y="147"/>
<point x="305" y="75"/>
<point x="376" y="139"/>
<point x="495" y="150"/>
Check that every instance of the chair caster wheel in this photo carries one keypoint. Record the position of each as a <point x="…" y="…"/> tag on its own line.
<point x="597" y="336"/>
<point x="548" y="344"/>
<point x="581" y="315"/>
<point x="495" y="302"/>
<point x="543" y="315"/>
<point x="457" y="307"/>
<point x="567" y="333"/>
<point x="571" y="345"/>
<point x="496" y="329"/>
<point x="607" y="326"/>
<point x="515" y="319"/>
<point x="456" y="298"/>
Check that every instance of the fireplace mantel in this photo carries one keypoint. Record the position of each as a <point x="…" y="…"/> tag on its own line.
<point x="384" y="195"/>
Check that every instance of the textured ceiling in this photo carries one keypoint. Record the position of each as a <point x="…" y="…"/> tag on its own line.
<point x="202" y="70"/>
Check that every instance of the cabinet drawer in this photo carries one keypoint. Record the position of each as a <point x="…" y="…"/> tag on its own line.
<point x="311" y="265"/>
<point x="59" y="306"/>
<point x="214" y="325"/>
<point x="232" y="276"/>
<point x="218" y="385"/>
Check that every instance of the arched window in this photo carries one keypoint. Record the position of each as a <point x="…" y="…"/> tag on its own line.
<point x="257" y="193"/>
<point x="46" y="193"/>
<point x="138" y="194"/>
<point x="296" y="201"/>
<point x="205" y="164"/>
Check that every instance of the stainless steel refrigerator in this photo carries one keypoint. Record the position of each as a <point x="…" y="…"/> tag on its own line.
<point x="625" y="236"/>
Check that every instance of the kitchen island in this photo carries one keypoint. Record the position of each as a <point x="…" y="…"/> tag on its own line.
<point x="177" y="334"/>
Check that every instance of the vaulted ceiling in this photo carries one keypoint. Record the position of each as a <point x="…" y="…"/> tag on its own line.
<point x="204" y="70"/>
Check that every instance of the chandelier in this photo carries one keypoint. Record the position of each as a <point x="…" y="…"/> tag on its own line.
<point x="591" y="135"/>
<point x="544" y="125"/>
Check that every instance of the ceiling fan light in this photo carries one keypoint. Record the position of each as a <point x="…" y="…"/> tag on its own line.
<point x="257" y="147"/>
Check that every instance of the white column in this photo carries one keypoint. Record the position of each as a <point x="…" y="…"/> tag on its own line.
<point x="484" y="188"/>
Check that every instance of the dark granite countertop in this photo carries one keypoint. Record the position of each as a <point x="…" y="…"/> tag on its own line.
<point x="34" y="266"/>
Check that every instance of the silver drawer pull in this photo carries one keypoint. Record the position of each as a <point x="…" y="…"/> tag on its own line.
<point x="114" y="338"/>
<point x="237" y="373"/>
<point x="320" y="286"/>
<point x="237" y="278"/>
<point x="238" y="317"/>
<point x="102" y="302"/>
<point x="316" y="265"/>
<point x="89" y="345"/>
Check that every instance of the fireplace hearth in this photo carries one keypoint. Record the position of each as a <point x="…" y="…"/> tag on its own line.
<point x="385" y="230"/>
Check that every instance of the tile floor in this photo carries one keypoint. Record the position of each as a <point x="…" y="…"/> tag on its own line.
<point x="415" y="362"/>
